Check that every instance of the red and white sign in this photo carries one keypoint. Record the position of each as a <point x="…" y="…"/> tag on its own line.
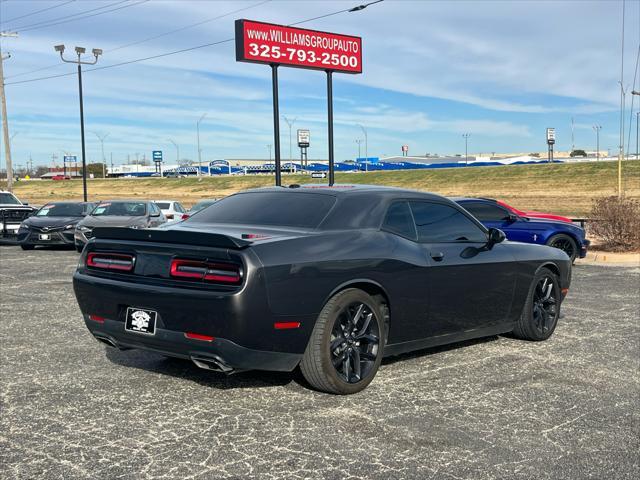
<point x="405" y="148"/>
<point x="268" y="43"/>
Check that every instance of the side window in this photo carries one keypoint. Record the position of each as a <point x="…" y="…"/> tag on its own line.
<point x="399" y="220"/>
<point x="179" y="208"/>
<point x="154" y="209"/>
<point x="438" y="223"/>
<point x="485" y="212"/>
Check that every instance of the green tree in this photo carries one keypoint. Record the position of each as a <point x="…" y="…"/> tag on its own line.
<point x="96" y="169"/>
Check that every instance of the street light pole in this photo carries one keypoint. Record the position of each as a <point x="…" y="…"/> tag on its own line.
<point x="177" y="151"/>
<point x="358" y="141"/>
<point x="79" y="52"/>
<point x="199" y="150"/>
<point x="366" y="148"/>
<point x="269" y="148"/>
<point x="290" y="123"/>
<point x="466" y="148"/>
<point x="597" y="129"/>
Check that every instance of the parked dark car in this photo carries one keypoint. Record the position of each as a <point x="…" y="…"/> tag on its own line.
<point x="559" y="234"/>
<point x="118" y="213"/>
<point x="12" y="214"/>
<point x="53" y="224"/>
<point x="330" y="279"/>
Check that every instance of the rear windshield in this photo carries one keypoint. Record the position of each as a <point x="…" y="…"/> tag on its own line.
<point x="164" y="205"/>
<point x="62" y="210"/>
<point x="120" y="209"/>
<point x="202" y="204"/>
<point x="298" y="210"/>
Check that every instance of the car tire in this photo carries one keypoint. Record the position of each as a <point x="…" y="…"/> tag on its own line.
<point x="566" y="244"/>
<point x="27" y="247"/>
<point x="542" y="308"/>
<point x="353" y="323"/>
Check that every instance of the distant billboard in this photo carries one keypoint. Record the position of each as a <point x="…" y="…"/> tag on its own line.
<point x="260" y="42"/>
<point x="551" y="135"/>
<point x="304" y="136"/>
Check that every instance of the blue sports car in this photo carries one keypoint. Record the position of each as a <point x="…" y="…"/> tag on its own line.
<point x="566" y="236"/>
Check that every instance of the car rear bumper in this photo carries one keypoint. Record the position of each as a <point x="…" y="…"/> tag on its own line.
<point x="217" y="354"/>
<point x="584" y="247"/>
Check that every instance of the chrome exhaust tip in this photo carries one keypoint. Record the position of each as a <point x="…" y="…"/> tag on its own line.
<point x="214" y="364"/>
<point x="107" y="341"/>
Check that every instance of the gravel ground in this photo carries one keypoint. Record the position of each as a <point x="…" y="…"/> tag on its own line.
<point x="494" y="408"/>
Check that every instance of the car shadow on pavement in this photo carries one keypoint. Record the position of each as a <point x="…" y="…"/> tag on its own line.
<point x="426" y="352"/>
<point x="185" y="369"/>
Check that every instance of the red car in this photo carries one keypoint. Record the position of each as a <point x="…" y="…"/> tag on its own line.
<point x="548" y="216"/>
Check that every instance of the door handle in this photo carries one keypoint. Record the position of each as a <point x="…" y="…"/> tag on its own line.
<point x="437" y="256"/>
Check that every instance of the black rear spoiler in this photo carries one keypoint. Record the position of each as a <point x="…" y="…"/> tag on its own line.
<point x="170" y="236"/>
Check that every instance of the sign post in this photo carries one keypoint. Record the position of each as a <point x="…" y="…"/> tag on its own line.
<point x="274" y="45"/>
<point x="69" y="159"/>
<point x="303" y="142"/>
<point x="551" y="140"/>
<point x="156" y="156"/>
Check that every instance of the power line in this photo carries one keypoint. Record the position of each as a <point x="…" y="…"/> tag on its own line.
<point x="128" y="5"/>
<point x="37" y="11"/>
<point x="64" y="17"/>
<point x="152" y="57"/>
<point x="137" y="42"/>
<point x="187" y="27"/>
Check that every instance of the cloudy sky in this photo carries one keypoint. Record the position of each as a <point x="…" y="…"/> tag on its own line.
<point x="502" y="71"/>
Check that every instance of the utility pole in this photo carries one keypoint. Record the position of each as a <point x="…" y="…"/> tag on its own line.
<point x="573" y="143"/>
<point x="466" y="148"/>
<point x="199" y="150"/>
<point x="269" y="147"/>
<point x="366" y="148"/>
<point x="597" y="129"/>
<point x="290" y="123"/>
<point x="79" y="52"/>
<point x="104" y="160"/>
<point x="634" y="92"/>
<point x="5" y="118"/>
<point x="623" y="95"/>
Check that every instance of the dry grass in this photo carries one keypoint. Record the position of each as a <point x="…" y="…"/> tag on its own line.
<point x="561" y="188"/>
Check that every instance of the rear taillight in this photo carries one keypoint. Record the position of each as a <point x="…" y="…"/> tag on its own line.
<point x="214" y="272"/>
<point x="110" y="261"/>
<point x="184" y="216"/>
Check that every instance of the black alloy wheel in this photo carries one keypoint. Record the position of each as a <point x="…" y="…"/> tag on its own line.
<point x="347" y="342"/>
<point x="354" y="342"/>
<point x="542" y="309"/>
<point x="566" y="244"/>
<point x="545" y="311"/>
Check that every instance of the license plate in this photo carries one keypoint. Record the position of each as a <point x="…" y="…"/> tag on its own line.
<point x="45" y="236"/>
<point x="140" y="320"/>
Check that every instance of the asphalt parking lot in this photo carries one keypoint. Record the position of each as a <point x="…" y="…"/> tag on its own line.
<point x="496" y="408"/>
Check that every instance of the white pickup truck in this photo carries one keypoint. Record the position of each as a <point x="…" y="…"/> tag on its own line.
<point x="12" y="213"/>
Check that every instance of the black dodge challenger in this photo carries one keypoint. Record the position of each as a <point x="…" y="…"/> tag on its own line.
<point x="332" y="279"/>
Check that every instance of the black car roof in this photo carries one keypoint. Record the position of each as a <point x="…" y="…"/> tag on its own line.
<point x="343" y="190"/>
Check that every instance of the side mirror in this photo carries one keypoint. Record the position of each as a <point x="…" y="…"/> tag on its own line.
<point x="155" y="215"/>
<point x="512" y="218"/>
<point x="495" y="236"/>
